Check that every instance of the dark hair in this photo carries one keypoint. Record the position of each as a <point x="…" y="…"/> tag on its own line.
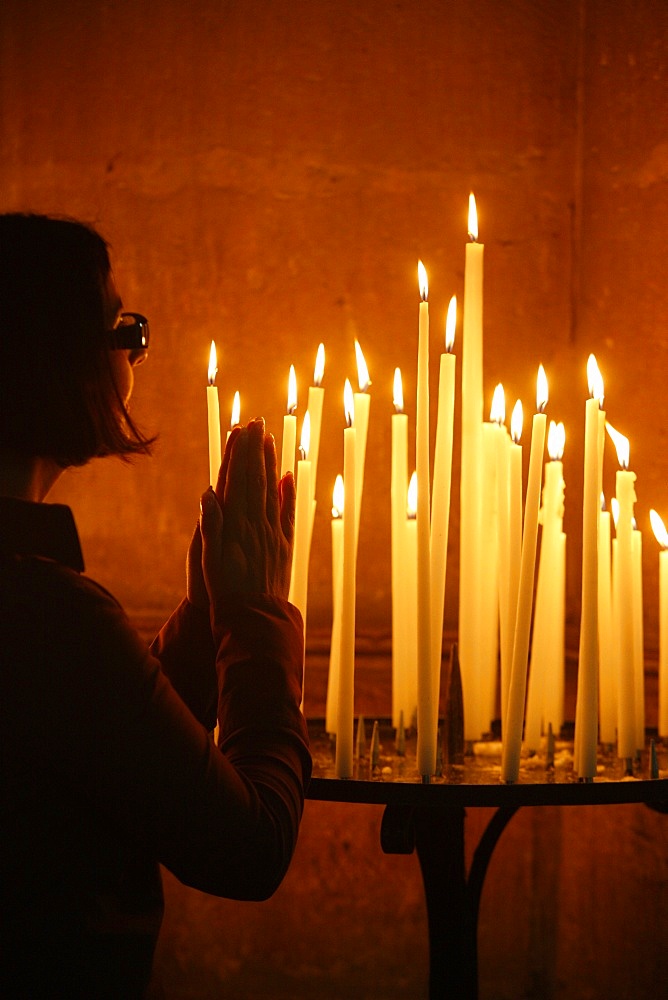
<point x="58" y="396"/>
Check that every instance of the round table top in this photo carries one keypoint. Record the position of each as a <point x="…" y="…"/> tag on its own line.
<point x="393" y="778"/>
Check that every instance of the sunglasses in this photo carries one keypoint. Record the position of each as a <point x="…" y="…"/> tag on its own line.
<point x="130" y="333"/>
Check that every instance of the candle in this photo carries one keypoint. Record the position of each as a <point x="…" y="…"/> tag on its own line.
<point x="235" y="414"/>
<point x="316" y="397"/>
<point x="346" y="695"/>
<point x="638" y="642"/>
<point x="489" y="589"/>
<point x="441" y="488"/>
<point x="512" y="741"/>
<point x="498" y="416"/>
<point x="623" y="608"/>
<point x="426" y="748"/>
<point x="213" y="413"/>
<point x="331" y="708"/>
<point x="470" y="481"/>
<point x="661" y="536"/>
<point x="411" y="603"/>
<point x="606" y="648"/>
<point x="362" y="402"/>
<point x="290" y="426"/>
<point x="543" y="701"/>
<point x="515" y="493"/>
<point x="399" y="485"/>
<point x="586" y="718"/>
<point x="302" y="544"/>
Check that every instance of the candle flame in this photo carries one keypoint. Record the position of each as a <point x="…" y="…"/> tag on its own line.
<point x="236" y="410"/>
<point x="305" y="440"/>
<point x="213" y="364"/>
<point x="349" y="403"/>
<point x="398" y="392"/>
<point x="594" y="379"/>
<point x="541" y="390"/>
<point x="338" y="497"/>
<point x="473" y="219"/>
<point x="497" y="414"/>
<point x="363" y="379"/>
<point x="621" y="444"/>
<point x="451" y="325"/>
<point x="422" y="282"/>
<point x="319" y="369"/>
<point x="516" y="422"/>
<point x="659" y="529"/>
<point x="556" y="439"/>
<point x="292" y="390"/>
<point x="411" y="499"/>
<point x="603" y="507"/>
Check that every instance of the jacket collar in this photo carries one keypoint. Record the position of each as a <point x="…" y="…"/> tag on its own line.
<point x="45" y="530"/>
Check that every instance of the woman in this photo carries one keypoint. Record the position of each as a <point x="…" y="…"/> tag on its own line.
<point x="108" y="766"/>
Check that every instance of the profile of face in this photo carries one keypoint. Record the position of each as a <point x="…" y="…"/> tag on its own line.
<point x="123" y="362"/>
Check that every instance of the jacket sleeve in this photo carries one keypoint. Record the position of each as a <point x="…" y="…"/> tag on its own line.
<point x="187" y="654"/>
<point x="223" y="819"/>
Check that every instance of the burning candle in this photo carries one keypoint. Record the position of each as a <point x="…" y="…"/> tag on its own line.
<point x="362" y="402"/>
<point x="512" y="741"/>
<point x="235" y="415"/>
<point x="316" y="397"/>
<point x="331" y="708"/>
<point x="399" y="485"/>
<point x="498" y="416"/>
<point x="548" y="630"/>
<point x="290" y="426"/>
<point x="426" y="748"/>
<point x="441" y="488"/>
<point x="213" y="413"/>
<point x="302" y="545"/>
<point x="586" y="729"/>
<point x="470" y="482"/>
<point x="623" y="609"/>
<point x="661" y="535"/>
<point x="346" y="696"/>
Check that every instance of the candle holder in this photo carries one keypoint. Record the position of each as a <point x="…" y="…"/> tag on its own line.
<point x="430" y="818"/>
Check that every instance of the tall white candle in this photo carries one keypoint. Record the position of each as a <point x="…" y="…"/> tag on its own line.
<point x="512" y="740"/>
<point x="606" y="649"/>
<point x="489" y="578"/>
<point x="426" y="746"/>
<point x="362" y="403"/>
<point x="302" y="545"/>
<point x="586" y="730"/>
<point x="638" y="642"/>
<point x="515" y="494"/>
<point x="411" y="605"/>
<point x="441" y="489"/>
<point x="548" y="627"/>
<point x="470" y="480"/>
<point x="661" y="535"/>
<point x="316" y="398"/>
<point x="626" y="496"/>
<point x="290" y="426"/>
<point x="213" y="414"/>
<point x="399" y="485"/>
<point x="498" y="415"/>
<point x="331" y="705"/>
<point x="346" y="697"/>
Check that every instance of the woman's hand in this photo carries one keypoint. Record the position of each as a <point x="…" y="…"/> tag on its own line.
<point x="247" y="545"/>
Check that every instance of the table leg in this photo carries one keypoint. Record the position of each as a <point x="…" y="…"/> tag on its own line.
<point x="437" y="833"/>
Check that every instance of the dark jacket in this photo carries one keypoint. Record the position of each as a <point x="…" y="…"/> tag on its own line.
<point x="108" y="766"/>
